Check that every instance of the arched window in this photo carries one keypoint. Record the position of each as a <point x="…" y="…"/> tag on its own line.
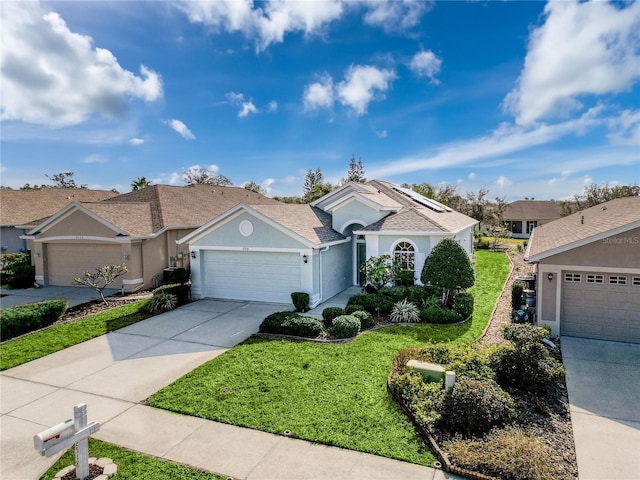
<point x="405" y="255"/>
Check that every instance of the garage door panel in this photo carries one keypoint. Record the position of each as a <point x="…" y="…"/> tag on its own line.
<point x="66" y="261"/>
<point x="257" y="276"/>
<point x="604" y="311"/>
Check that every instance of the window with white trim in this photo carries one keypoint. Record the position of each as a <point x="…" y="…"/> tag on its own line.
<point x="595" y="278"/>
<point x="573" y="277"/>
<point x="635" y="281"/>
<point x="405" y="256"/>
<point x="617" y="279"/>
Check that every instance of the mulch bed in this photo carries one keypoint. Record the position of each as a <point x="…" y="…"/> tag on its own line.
<point x="98" y="306"/>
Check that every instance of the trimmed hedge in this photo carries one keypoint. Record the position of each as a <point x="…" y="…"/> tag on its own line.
<point x="463" y="304"/>
<point x="439" y="315"/>
<point x="366" y="320"/>
<point x="181" y="291"/>
<point x="345" y="326"/>
<point x="290" y="323"/>
<point x="18" y="271"/>
<point x="178" y="275"/>
<point x="329" y="313"/>
<point x="23" y="319"/>
<point x="300" y="300"/>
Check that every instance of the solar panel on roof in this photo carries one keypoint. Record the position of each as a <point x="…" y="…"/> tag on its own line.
<point x="424" y="201"/>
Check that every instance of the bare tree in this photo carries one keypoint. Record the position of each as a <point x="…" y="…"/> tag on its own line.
<point x="64" y="180"/>
<point x="205" y="176"/>
<point x="595" y="194"/>
<point x="254" y="187"/>
<point x="102" y="278"/>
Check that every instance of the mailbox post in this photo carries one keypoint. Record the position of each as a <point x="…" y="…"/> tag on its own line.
<point x="70" y="432"/>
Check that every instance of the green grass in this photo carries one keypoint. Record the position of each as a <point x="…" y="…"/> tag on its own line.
<point x="134" y="466"/>
<point x="333" y="394"/>
<point x="57" y="337"/>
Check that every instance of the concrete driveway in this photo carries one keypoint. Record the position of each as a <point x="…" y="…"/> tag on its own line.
<point x="113" y="373"/>
<point x="603" y="381"/>
<point x="73" y="295"/>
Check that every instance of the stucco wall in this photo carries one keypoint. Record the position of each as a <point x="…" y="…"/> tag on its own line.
<point x="336" y="269"/>
<point x="355" y="211"/>
<point x="263" y="236"/>
<point x="79" y="223"/>
<point x="154" y="260"/>
<point x="10" y="238"/>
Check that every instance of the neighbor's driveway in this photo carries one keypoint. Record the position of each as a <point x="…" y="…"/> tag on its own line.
<point x="114" y="372"/>
<point x="73" y="295"/>
<point x="603" y="381"/>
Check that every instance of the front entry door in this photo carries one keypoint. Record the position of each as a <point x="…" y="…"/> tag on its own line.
<point x="360" y="260"/>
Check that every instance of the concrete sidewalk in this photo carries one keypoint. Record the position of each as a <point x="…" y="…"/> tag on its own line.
<point x="113" y="373"/>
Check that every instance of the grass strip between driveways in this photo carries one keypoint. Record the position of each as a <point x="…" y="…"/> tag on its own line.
<point x="333" y="394"/>
<point x="132" y="465"/>
<point x="58" y="337"/>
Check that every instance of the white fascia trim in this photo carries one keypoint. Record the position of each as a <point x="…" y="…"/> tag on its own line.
<point x="338" y="190"/>
<point x="133" y="282"/>
<point x="353" y="196"/>
<point x="301" y="251"/>
<point x="587" y="268"/>
<point x="65" y="212"/>
<point x="331" y="244"/>
<point x="579" y="243"/>
<point x="404" y="232"/>
<point x="68" y="238"/>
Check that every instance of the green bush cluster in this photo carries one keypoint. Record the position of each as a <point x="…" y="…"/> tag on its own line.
<point x="463" y="305"/>
<point x="439" y="315"/>
<point x="181" y="291"/>
<point x="366" y="320"/>
<point x="290" y="323"/>
<point x="329" y="313"/>
<point x="383" y="301"/>
<point x="474" y="406"/>
<point x="178" y="275"/>
<point x="23" y="319"/>
<point x="422" y="398"/>
<point x="18" y="271"/>
<point x="300" y="300"/>
<point x="524" y="362"/>
<point x="345" y="326"/>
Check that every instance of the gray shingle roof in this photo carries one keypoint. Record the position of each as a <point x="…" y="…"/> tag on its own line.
<point x="133" y="218"/>
<point x="580" y="227"/>
<point x="531" y="210"/>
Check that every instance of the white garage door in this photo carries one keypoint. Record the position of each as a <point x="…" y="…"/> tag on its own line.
<point x="257" y="276"/>
<point x="66" y="261"/>
<point x="601" y="305"/>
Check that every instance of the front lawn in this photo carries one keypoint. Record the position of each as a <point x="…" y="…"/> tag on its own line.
<point x="133" y="465"/>
<point x="57" y="337"/>
<point x="333" y="394"/>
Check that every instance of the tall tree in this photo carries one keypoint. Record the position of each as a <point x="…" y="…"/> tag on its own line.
<point x="140" y="182"/>
<point x="64" y="180"/>
<point x="356" y="171"/>
<point x="444" y="193"/>
<point x="319" y="190"/>
<point x="478" y="206"/>
<point x="204" y="176"/>
<point x="595" y="194"/>
<point x="254" y="187"/>
<point x="314" y="186"/>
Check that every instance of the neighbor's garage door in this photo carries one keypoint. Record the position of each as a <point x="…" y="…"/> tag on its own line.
<point x="66" y="261"/>
<point x="601" y="305"/>
<point x="258" y="276"/>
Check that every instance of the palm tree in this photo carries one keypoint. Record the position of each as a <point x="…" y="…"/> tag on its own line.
<point x="140" y="182"/>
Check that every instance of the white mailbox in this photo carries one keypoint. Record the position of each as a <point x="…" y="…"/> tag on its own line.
<point x="45" y="440"/>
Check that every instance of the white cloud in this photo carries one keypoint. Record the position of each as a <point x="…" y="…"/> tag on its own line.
<point x="53" y="76"/>
<point x="247" y="109"/>
<point x="181" y="128"/>
<point x="273" y="106"/>
<point x="426" y="64"/>
<point x="362" y="85"/>
<point x="235" y="98"/>
<point x="471" y="176"/>
<point x="583" y="48"/>
<point x="319" y="94"/>
<point x="395" y="15"/>
<point x="625" y="130"/>
<point x="382" y="134"/>
<point x="503" y="182"/>
<point x="94" y="158"/>
<point x="136" y="141"/>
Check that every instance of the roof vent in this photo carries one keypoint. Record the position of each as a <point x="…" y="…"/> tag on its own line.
<point x="604" y="207"/>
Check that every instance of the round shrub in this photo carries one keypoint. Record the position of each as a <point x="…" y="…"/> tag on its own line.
<point x="300" y="300"/>
<point x="463" y="305"/>
<point x="345" y="326"/>
<point x="329" y="313"/>
<point x="475" y="406"/>
<point x="366" y="320"/>
<point x="354" y="307"/>
<point x="306" y="327"/>
<point x="273" y="323"/>
<point x="439" y="315"/>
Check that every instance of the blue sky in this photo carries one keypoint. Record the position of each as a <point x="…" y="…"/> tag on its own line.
<point x="526" y="99"/>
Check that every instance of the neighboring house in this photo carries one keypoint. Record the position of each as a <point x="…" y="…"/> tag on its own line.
<point x="588" y="272"/>
<point x="266" y="252"/>
<point x="22" y="209"/>
<point x="139" y="229"/>
<point x="522" y="216"/>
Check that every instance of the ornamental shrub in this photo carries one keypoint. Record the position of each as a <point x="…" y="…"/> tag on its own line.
<point x="439" y="315"/>
<point x="18" y="271"/>
<point x="329" y="313"/>
<point x="524" y="362"/>
<point x="448" y="266"/>
<point x="474" y="406"/>
<point x="345" y="326"/>
<point x="366" y="300"/>
<point x="416" y="294"/>
<point x="182" y="292"/>
<point x="404" y="278"/>
<point x="349" y="309"/>
<point x="23" y="319"/>
<point x="290" y="323"/>
<point x="300" y="300"/>
<point x="273" y="322"/>
<point x="421" y="397"/>
<point x="162" y="301"/>
<point x="366" y="320"/>
<point x="463" y="304"/>
<point x="516" y="295"/>
<point x="405" y="312"/>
